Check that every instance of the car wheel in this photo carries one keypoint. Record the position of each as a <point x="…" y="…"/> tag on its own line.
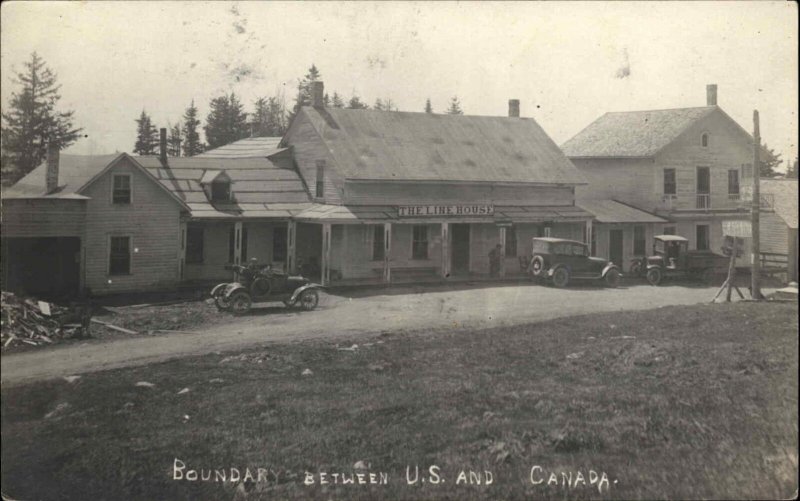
<point x="223" y="303"/>
<point x="561" y="277"/>
<point x="537" y="265"/>
<point x="309" y="299"/>
<point x="654" y="276"/>
<point x="240" y="303"/>
<point x="612" y="278"/>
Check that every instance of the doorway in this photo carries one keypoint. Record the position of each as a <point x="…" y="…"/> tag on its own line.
<point x="48" y="268"/>
<point x="616" y="244"/>
<point x="460" y="234"/>
<point x="703" y="188"/>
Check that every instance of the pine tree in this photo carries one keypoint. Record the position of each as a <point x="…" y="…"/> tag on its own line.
<point x="384" y="105"/>
<point x="191" y="143"/>
<point x="33" y="121"/>
<point x="146" y="135"/>
<point x="769" y="160"/>
<point x="428" y="107"/>
<point x="174" y="141"/>
<point x="356" y="104"/>
<point x="226" y="122"/>
<point x="303" y="89"/>
<point x="455" y="107"/>
<point x="791" y="172"/>
<point x="337" y="101"/>
<point x="269" y="119"/>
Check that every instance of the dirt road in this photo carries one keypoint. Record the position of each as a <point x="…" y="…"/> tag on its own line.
<point x="360" y="314"/>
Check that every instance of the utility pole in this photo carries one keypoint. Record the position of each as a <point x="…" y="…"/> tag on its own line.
<point x="755" y="275"/>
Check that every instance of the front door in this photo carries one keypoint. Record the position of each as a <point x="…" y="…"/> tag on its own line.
<point x="460" y="234"/>
<point x="615" y="246"/>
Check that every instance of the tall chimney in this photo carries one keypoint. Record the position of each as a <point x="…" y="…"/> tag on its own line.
<point x="162" y="151"/>
<point x="51" y="178"/>
<point x="513" y="108"/>
<point x="711" y="95"/>
<point x="317" y="93"/>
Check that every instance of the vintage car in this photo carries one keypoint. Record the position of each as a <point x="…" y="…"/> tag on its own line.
<point x="559" y="261"/>
<point x="261" y="284"/>
<point x="672" y="258"/>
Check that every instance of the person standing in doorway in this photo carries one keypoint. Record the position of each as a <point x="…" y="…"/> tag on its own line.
<point x="495" y="255"/>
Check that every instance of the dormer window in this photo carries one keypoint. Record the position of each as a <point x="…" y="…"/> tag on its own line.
<point x="217" y="186"/>
<point x="704" y="139"/>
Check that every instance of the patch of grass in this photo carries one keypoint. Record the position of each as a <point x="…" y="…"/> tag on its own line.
<point x="679" y="402"/>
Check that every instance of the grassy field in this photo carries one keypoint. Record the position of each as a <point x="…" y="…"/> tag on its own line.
<point x="679" y="402"/>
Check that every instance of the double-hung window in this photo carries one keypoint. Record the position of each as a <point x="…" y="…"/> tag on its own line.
<point x="119" y="256"/>
<point x="121" y="191"/>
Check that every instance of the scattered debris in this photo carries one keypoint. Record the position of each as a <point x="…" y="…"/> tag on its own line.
<point x="34" y="322"/>
<point x="352" y="348"/>
<point x="184" y="391"/>
<point x="307" y="372"/>
<point x="71" y="379"/>
<point x="145" y="384"/>
<point x="215" y="380"/>
<point x="575" y="356"/>
<point x="59" y="408"/>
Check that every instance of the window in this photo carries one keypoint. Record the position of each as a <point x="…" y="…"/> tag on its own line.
<point x="220" y="191"/>
<point x="733" y="183"/>
<point x="704" y="140"/>
<point x="511" y="242"/>
<point x="669" y="230"/>
<point x="378" y="245"/>
<point x="194" y="245"/>
<point x="669" y="182"/>
<point x="702" y="237"/>
<point x="232" y="245"/>
<point x="119" y="256"/>
<point x="419" y="243"/>
<point x="121" y="193"/>
<point x="320" y="187"/>
<point x="639" y="241"/>
<point x="279" y="244"/>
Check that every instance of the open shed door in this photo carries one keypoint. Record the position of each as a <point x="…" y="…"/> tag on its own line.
<point x="47" y="267"/>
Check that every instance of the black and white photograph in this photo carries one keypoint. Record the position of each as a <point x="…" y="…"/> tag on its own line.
<point x="417" y="250"/>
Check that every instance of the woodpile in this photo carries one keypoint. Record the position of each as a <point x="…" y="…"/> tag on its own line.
<point x="27" y="321"/>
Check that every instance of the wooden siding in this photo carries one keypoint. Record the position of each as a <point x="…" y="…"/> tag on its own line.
<point x="152" y="221"/>
<point x="365" y="193"/>
<point x="42" y="218"/>
<point x="307" y="148"/>
<point x="627" y="180"/>
<point x="774" y="234"/>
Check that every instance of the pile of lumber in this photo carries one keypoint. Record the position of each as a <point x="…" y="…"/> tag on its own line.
<point x="28" y="321"/>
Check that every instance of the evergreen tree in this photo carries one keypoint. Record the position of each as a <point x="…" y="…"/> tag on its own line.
<point x="32" y="121"/>
<point x="226" y="122"/>
<point x="384" y="105"/>
<point x="303" y="89"/>
<point x="191" y="143"/>
<point x="428" y="107"/>
<point x="791" y="172"/>
<point x="455" y="107"/>
<point x="356" y="104"/>
<point x="337" y="101"/>
<point x="146" y="136"/>
<point x="174" y="140"/>
<point x="769" y="160"/>
<point x="269" y="119"/>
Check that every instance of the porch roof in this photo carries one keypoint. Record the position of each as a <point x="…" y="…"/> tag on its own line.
<point x="386" y="213"/>
<point x="611" y="211"/>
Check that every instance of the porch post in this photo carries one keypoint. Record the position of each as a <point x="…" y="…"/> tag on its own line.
<point x="182" y="252"/>
<point x="326" y="253"/>
<point x="387" y="253"/>
<point x="445" y="250"/>
<point x="502" y="251"/>
<point x="589" y="230"/>
<point x="291" y="252"/>
<point x="237" y="246"/>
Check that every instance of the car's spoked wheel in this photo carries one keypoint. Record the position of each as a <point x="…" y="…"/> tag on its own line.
<point x="309" y="299"/>
<point x="612" y="278"/>
<point x="223" y="303"/>
<point x="240" y="303"/>
<point x="561" y="277"/>
<point x="537" y="265"/>
<point x="654" y="276"/>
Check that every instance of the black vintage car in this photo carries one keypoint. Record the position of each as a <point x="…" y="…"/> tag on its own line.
<point x="256" y="283"/>
<point x="672" y="259"/>
<point x="560" y="261"/>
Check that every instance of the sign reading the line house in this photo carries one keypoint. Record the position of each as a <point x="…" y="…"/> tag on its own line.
<point x="445" y="210"/>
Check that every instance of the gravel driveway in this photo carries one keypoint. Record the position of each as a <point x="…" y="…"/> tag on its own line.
<point x="353" y="315"/>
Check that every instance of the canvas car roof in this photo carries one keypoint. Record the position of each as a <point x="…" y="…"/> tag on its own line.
<point x="670" y="238"/>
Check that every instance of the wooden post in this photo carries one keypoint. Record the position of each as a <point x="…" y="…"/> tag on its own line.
<point x="755" y="274"/>
<point x="445" y="250"/>
<point x="387" y="253"/>
<point x="291" y="251"/>
<point x="589" y="230"/>
<point x="731" y="270"/>
<point x="237" y="243"/>
<point x="326" y="253"/>
<point x="182" y="252"/>
<point x="502" y="252"/>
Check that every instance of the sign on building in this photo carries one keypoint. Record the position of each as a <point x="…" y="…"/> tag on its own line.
<point x="736" y="228"/>
<point x="445" y="210"/>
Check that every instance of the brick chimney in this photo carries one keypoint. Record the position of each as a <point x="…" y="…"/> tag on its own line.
<point x="51" y="178"/>
<point x="711" y="95"/>
<point x="513" y="108"/>
<point x="162" y="146"/>
<point x="317" y="92"/>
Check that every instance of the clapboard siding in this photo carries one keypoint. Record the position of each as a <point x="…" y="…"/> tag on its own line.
<point x="43" y="218"/>
<point x="361" y="193"/>
<point x="628" y="180"/>
<point x="152" y="221"/>
<point x="308" y="147"/>
<point x="774" y="234"/>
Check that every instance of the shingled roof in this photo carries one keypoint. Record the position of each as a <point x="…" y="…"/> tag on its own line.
<point x="395" y="146"/>
<point x="635" y="134"/>
<point x="74" y="172"/>
<point x="252" y="147"/>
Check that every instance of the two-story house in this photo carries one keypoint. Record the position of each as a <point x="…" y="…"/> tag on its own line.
<point x="414" y="196"/>
<point x="690" y="167"/>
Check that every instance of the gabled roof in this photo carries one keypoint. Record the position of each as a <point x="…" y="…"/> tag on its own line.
<point x="262" y="189"/>
<point x="404" y="146"/>
<point x="74" y="172"/>
<point x="633" y="134"/>
<point x="611" y="211"/>
<point x="784" y="195"/>
<point x="253" y="147"/>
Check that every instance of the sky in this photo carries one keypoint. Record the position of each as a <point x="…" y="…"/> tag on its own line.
<point x="567" y="62"/>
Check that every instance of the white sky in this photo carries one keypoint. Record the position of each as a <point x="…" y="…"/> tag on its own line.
<point x="559" y="59"/>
